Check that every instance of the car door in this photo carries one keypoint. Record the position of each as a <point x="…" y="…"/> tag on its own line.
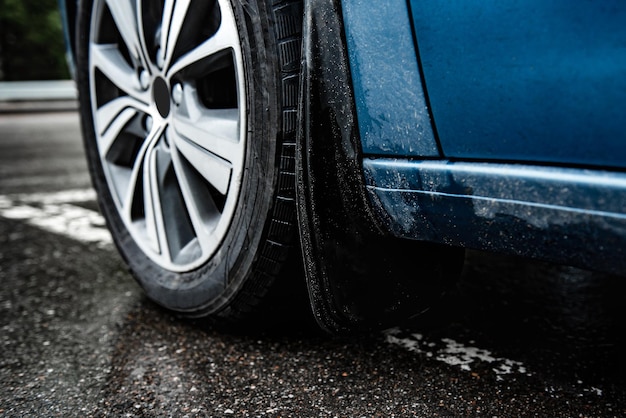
<point x="530" y="81"/>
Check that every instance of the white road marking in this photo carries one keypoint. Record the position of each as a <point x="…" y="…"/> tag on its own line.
<point x="55" y="212"/>
<point x="454" y="353"/>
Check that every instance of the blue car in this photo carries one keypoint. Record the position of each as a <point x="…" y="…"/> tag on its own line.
<point x="234" y="144"/>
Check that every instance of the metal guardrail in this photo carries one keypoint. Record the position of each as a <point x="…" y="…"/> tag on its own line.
<point x="37" y="90"/>
<point x="37" y="96"/>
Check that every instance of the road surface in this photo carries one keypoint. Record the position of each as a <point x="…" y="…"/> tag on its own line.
<point x="79" y="338"/>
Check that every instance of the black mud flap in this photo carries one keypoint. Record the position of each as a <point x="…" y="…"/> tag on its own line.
<point x="359" y="277"/>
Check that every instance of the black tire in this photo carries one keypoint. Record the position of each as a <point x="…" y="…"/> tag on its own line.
<point x="230" y="279"/>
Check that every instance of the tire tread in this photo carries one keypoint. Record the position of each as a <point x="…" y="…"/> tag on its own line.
<point x="281" y="239"/>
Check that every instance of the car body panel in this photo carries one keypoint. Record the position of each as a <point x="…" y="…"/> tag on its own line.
<point x="391" y="107"/>
<point x="68" y="10"/>
<point x="529" y="108"/>
<point x="570" y="215"/>
<point x="532" y="80"/>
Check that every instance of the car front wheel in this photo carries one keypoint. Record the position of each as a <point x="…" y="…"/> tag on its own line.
<point x="189" y="119"/>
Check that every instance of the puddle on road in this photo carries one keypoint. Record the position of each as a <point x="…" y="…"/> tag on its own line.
<point x="453" y="353"/>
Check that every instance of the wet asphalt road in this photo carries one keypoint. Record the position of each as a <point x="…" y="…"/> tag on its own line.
<point x="78" y="338"/>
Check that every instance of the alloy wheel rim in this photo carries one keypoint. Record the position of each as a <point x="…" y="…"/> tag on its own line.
<point x="168" y="104"/>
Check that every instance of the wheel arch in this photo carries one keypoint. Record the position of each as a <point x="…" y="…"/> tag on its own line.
<point x="358" y="275"/>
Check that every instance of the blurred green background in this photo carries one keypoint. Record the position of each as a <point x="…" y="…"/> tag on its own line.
<point x="31" y="41"/>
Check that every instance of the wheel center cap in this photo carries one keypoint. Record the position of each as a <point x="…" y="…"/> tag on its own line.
<point x="161" y="96"/>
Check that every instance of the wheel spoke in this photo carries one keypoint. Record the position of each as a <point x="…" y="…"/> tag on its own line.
<point x="108" y="59"/>
<point x="125" y="16"/>
<point x="155" y="224"/>
<point x="136" y="175"/>
<point x="214" y="169"/>
<point x="216" y="139"/>
<point x="225" y="38"/>
<point x="111" y="120"/>
<point x="202" y="211"/>
<point x="113" y="117"/>
<point x="142" y="36"/>
<point x="174" y="13"/>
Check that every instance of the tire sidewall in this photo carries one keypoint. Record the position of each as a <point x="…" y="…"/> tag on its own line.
<point x="210" y="287"/>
